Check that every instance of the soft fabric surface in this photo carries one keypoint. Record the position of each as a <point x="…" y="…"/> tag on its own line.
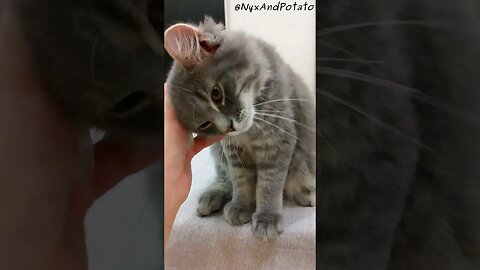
<point x="211" y="243"/>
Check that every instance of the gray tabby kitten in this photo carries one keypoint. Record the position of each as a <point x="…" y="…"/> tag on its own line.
<point x="226" y="82"/>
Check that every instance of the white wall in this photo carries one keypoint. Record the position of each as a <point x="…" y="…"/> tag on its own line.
<point x="292" y="32"/>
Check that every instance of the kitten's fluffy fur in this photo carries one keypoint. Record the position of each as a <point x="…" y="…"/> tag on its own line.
<point x="399" y="180"/>
<point x="270" y="151"/>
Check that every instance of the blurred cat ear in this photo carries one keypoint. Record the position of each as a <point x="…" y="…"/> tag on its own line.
<point x="187" y="45"/>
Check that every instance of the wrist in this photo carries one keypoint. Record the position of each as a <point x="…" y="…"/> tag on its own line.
<point x="171" y="207"/>
<point x="173" y="197"/>
<point x="172" y="204"/>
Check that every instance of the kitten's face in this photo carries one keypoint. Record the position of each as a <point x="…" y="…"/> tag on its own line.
<point x="211" y="102"/>
<point x="214" y="92"/>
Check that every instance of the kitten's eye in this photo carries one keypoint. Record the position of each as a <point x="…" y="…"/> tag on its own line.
<point x="205" y="125"/>
<point x="217" y="94"/>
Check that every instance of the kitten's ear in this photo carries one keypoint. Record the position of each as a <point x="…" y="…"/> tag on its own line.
<point x="187" y="45"/>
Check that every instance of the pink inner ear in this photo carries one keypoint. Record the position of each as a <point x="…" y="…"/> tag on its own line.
<point x="182" y="43"/>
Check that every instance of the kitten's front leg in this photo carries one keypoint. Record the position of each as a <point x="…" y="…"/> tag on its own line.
<point x="239" y="210"/>
<point x="272" y="170"/>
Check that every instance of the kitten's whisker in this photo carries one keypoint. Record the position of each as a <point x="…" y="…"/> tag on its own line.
<point x="350" y="54"/>
<point x="220" y="153"/>
<point x="345" y="51"/>
<point x="341" y="28"/>
<point x="288" y="119"/>
<point x="241" y="163"/>
<point x="226" y="153"/>
<point x="373" y="118"/>
<point x="92" y="60"/>
<point x="361" y="61"/>
<point x="416" y="93"/>
<point x="263" y="88"/>
<point x="270" y="111"/>
<point x="182" y="88"/>
<point x="282" y="99"/>
<point x="224" y="146"/>
<point x="279" y="111"/>
<point x="273" y="108"/>
<point x="231" y="148"/>
<point x="330" y="146"/>
<point x="260" y="91"/>
<point x="279" y="128"/>
<point x="366" y="78"/>
<point x="261" y="129"/>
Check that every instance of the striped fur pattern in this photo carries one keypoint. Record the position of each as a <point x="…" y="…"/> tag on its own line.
<point x="268" y="119"/>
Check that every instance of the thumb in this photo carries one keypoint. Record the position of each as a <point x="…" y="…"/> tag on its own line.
<point x="200" y="143"/>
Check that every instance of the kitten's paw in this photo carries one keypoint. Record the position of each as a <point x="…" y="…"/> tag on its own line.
<point x="306" y="198"/>
<point x="237" y="214"/>
<point x="210" y="201"/>
<point x="267" y="226"/>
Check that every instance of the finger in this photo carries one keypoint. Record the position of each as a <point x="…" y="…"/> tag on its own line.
<point x="200" y="143"/>
<point x="171" y="123"/>
<point x="169" y="113"/>
<point x="115" y="161"/>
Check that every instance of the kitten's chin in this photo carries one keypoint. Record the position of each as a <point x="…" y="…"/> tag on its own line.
<point x="233" y="133"/>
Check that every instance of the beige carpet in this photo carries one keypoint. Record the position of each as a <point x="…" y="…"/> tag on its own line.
<point x="210" y="243"/>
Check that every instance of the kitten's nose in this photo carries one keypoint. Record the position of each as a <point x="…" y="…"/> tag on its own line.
<point x="230" y="128"/>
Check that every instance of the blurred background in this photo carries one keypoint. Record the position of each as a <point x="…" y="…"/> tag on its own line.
<point x="124" y="228"/>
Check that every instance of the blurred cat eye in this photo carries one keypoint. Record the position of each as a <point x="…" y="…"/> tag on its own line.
<point x="217" y="95"/>
<point x="205" y="125"/>
<point x="131" y="103"/>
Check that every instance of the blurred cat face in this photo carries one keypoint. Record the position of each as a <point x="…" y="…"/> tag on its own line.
<point x="102" y="60"/>
<point x="213" y="87"/>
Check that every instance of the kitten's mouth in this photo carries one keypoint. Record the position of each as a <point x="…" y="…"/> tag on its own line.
<point x="233" y="133"/>
<point x="233" y="129"/>
<point x="243" y="126"/>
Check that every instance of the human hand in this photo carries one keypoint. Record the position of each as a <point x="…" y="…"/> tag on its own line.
<point x="179" y="149"/>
